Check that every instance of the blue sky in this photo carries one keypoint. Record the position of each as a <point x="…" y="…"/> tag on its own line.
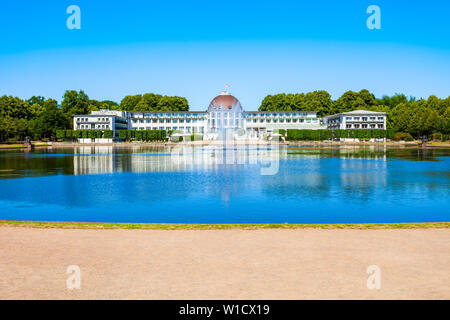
<point x="192" y="48"/>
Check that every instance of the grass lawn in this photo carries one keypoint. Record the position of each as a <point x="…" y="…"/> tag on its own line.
<point x="11" y="146"/>
<point x="176" y="226"/>
<point x="439" y="143"/>
<point x="19" y="146"/>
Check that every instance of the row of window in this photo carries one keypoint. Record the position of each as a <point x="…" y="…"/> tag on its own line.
<point x="98" y="119"/>
<point x="164" y="120"/>
<point x="169" y="115"/>
<point x="364" y="126"/>
<point x="253" y="115"/>
<point x="97" y="126"/>
<point x="364" y="118"/>
<point x="188" y="129"/>
<point x="314" y="120"/>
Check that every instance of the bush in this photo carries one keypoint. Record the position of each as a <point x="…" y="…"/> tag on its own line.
<point x="94" y="134"/>
<point x="439" y="136"/>
<point x="123" y="134"/>
<point x="60" y="134"/>
<point x="143" y="135"/>
<point x="390" y="134"/>
<point x="108" y="134"/>
<point x="403" y="136"/>
<point x="308" y="134"/>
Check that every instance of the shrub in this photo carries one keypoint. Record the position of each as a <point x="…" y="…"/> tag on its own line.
<point x="60" y="134"/>
<point x="108" y="134"/>
<point x="123" y="134"/>
<point x="403" y="136"/>
<point x="390" y="134"/>
<point x="94" y="134"/>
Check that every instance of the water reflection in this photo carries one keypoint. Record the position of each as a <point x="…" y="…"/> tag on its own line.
<point x="201" y="184"/>
<point x="95" y="160"/>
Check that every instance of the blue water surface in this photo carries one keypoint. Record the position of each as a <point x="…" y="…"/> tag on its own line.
<point x="201" y="185"/>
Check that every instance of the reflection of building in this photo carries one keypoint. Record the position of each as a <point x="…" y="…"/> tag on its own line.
<point x="96" y="160"/>
<point x="225" y="112"/>
<point x="358" y="119"/>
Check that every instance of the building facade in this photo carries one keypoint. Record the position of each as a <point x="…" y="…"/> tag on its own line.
<point x="226" y="112"/>
<point x="358" y="119"/>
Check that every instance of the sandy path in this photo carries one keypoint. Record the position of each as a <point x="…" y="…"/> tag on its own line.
<point x="224" y="264"/>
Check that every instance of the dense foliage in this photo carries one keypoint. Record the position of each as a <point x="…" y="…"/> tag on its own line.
<point x="40" y="118"/>
<point x="153" y="102"/>
<point x="416" y="117"/>
<point x="325" y="134"/>
<point x="91" y="134"/>
<point x="143" y="135"/>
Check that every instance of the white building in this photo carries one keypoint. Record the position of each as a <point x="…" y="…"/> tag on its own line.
<point x="358" y="119"/>
<point x="102" y="120"/>
<point x="225" y="112"/>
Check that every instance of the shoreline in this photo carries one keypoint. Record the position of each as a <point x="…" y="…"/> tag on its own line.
<point x="435" y="144"/>
<point x="219" y="226"/>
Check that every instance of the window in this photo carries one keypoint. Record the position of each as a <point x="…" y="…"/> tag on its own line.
<point x="364" y="118"/>
<point x="348" y="126"/>
<point x="380" y="126"/>
<point x="356" y="126"/>
<point x="380" y="118"/>
<point x="364" y="126"/>
<point x="349" y="118"/>
<point x="356" y="119"/>
<point x="372" y="126"/>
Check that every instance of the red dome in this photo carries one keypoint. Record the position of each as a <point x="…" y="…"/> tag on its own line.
<point x="225" y="101"/>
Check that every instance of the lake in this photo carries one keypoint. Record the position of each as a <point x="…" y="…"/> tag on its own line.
<point x="189" y="184"/>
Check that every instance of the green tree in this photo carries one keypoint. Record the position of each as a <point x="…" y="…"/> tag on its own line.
<point x="75" y="102"/>
<point x="424" y="122"/>
<point x="152" y="100"/>
<point x="50" y="120"/>
<point x="129" y="102"/>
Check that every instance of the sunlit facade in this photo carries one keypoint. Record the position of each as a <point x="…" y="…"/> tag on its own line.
<point x="223" y="113"/>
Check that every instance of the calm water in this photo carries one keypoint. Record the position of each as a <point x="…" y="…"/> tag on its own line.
<point x="214" y="185"/>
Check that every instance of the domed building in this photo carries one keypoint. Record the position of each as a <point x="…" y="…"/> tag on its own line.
<point x="225" y="112"/>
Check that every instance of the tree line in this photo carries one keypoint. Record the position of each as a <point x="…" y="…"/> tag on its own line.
<point x="416" y="117"/>
<point x="40" y="117"/>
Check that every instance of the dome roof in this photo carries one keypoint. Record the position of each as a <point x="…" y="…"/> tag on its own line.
<point x="225" y="102"/>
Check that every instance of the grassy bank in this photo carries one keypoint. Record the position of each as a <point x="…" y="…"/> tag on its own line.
<point x="20" y="146"/>
<point x="175" y="226"/>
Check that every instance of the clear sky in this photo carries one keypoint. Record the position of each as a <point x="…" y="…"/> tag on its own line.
<point x="192" y="48"/>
